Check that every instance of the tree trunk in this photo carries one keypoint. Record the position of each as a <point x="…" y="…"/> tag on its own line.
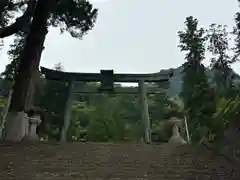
<point x="31" y="91"/>
<point x="29" y="99"/>
<point x="17" y="124"/>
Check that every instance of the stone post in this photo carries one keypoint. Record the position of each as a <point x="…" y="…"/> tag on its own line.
<point x="67" y="114"/>
<point x="144" y="109"/>
<point x="34" y="122"/>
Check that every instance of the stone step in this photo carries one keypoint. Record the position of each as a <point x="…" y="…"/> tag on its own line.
<point x="125" y="161"/>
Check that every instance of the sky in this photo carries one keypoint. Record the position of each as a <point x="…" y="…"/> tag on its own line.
<point x="131" y="36"/>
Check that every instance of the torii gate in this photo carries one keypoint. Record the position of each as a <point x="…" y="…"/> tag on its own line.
<point x="107" y="79"/>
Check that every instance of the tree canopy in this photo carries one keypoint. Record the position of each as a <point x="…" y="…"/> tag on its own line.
<point x="74" y="16"/>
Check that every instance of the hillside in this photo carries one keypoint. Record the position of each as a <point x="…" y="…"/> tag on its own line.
<point x="176" y="80"/>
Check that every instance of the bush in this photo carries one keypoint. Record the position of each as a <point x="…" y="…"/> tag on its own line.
<point x="161" y="131"/>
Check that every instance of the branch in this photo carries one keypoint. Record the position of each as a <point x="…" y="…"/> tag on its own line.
<point x="235" y="58"/>
<point x="12" y="5"/>
<point x="3" y="4"/>
<point x="21" y="23"/>
<point x="9" y="5"/>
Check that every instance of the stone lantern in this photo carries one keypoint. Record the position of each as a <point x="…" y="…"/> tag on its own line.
<point x="34" y="117"/>
<point x="176" y="138"/>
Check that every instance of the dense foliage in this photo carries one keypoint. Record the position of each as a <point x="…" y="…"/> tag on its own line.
<point x="101" y="117"/>
<point x="74" y="16"/>
<point x="196" y="93"/>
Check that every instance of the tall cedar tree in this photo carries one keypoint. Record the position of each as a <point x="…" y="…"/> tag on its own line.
<point x="223" y="76"/>
<point x="197" y="96"/>
<point x="237" y="33"/>
<point x="76" y="17"/>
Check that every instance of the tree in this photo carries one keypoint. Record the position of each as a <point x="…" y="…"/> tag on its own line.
<point x="14" y="54"/>
<point x="223" y="75"/>
<point x="80" y="119"/>
<point x="77" y="25"/>
<point x="197" y="96"/>
<point x="10" y="71"/>
<point x="7" y="10"/>
<point x="55" y="20"/>
<point x="74" y="16"/>
<point x="1" y="44"/>
<point x="236" y="31"/>
<point x="107" y="122"/>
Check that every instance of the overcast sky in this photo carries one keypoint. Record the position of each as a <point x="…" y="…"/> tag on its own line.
<point x="132" y="35"/>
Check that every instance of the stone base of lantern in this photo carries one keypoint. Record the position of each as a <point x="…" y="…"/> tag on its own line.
<point x="34" y="122"/>
<point x="176" y="138"/>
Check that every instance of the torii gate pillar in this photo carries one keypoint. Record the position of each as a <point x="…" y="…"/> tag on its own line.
<point x="67" y="113"/>
<point x="144" y="110"/>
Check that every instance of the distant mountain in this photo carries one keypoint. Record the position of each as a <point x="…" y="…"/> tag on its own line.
<point x="176" y="80"/>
